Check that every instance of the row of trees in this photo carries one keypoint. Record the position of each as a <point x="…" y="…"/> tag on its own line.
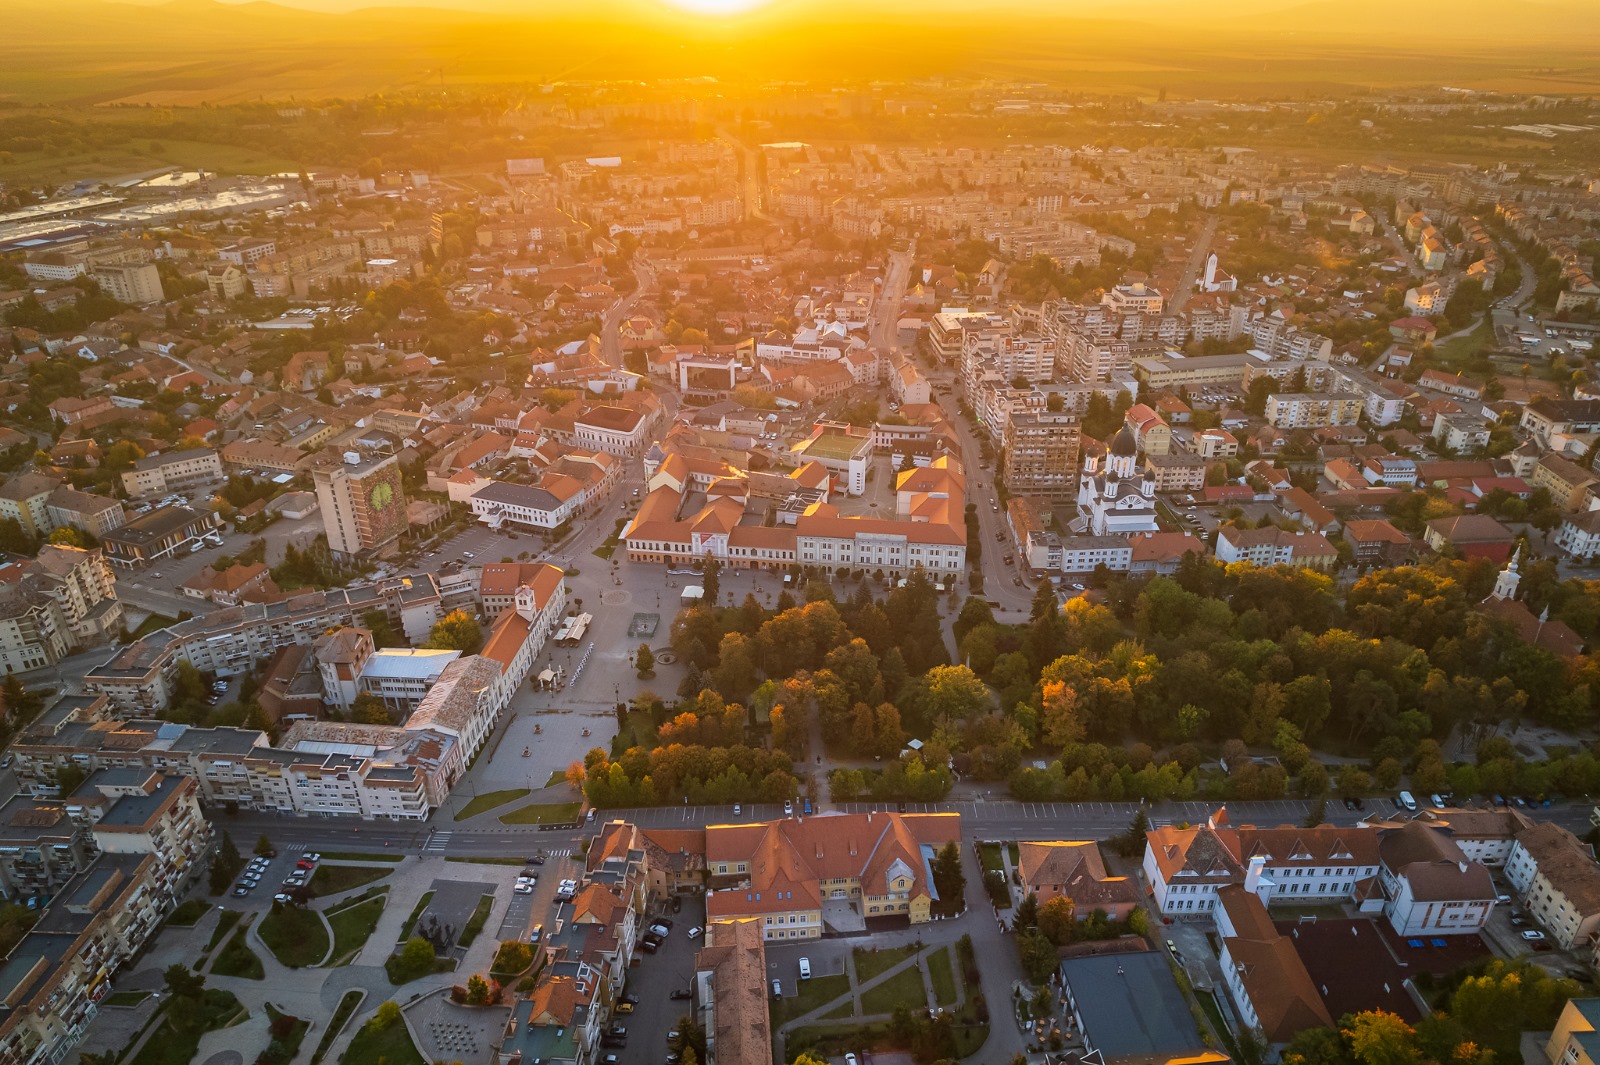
<point x="678" y="773"/>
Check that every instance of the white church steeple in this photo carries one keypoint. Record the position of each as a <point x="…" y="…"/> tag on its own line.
<point x="1505" y="585"/>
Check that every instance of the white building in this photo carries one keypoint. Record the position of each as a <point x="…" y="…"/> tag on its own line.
<point x="1120" y="499"/>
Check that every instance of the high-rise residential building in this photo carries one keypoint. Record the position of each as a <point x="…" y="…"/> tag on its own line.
<point x="138" y="283"/>
<point x="363" y="503"/>
<point x="1041" y="453"/>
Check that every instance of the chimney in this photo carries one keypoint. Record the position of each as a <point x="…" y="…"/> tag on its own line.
<point x="1252" y="877"/>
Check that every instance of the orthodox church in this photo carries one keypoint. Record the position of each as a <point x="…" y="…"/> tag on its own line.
<point x="1118" y="499"/>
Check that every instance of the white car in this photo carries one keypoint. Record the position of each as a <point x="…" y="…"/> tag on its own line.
<point x="1532" y="935"/>
<point x="522" y="889"/>
<point x="694" y="933"/>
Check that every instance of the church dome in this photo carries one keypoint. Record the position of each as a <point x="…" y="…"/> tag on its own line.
<point x="1125" y="444"/>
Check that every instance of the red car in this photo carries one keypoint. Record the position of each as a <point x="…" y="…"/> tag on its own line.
<point x="303" y="864"/>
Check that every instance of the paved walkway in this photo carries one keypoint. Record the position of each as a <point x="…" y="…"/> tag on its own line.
<point x="312" y="994"/>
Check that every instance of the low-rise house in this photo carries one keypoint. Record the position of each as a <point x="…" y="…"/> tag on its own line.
<point x="1470" y="536"/>
<point x="1376" y="542"/>
<point x="1076" y="871"/>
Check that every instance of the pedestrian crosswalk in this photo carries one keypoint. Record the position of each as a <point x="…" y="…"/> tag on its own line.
<point x="562" y="852"/>
<point x="436" y="842"/>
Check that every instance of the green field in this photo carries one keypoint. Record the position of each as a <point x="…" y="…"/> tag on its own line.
<point x="870" y="963"/>
<point x="332" y="879"/>
<point x="296" y="937"/>
<point x="475" y="923"/>
<point x="548" y="813"/>
<point x="174" y="1046"/>
<point x="352" y="926"/>
<point x="384" y="1046"/>
<point x="943" y="975"/>
<point x="1456" y="353"/>
<point x="488" y="801"/>
<point x="136" y="157"/>
<point x="902" y="989"/>
<point x="341" y="1016"/>
<point x="809" y="995"/>
<point x="416" y="913"/>
<point x="188" y="915"/>
<point x="237" y="959"/>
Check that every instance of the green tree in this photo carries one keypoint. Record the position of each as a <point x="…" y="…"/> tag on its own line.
<point x="949" y="880"/>
<point x="645" y="662"/>
<point x="264" y="847"/>
<point x="388" y="1012"/>
<point x="69" y="778"/>
<point x="1057" y="920"/>
<point x="711" y="581"/>
<point x="456" y="631"/>
<point x="1039" y="956"/>
<point x="183" y="982"/>
<point x="369" y="709"/>
<point x="477" y="991"/>
<point x="383" y="631"/>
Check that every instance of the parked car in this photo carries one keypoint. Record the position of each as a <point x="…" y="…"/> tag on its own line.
<point x="738" y="810"/>
<point x="240" y="892"/>
<point x="659" y="930"/>
<point x="1532" y="935"/>
<point x="694" y="933"/>
<point x="680" y="994"/>
<point x="788" y="808"/>
<point x="522" y="889"/>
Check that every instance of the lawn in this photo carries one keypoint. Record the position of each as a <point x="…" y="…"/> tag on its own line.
<point x="151" y="624"/>
<point x="1015" y="853"/>
<point x="127" y="998"/>
<point x="422" y="904"/>
<point x="870" y="963"/>
<point x="488" y="801"/>
<point x="298" y="938"/>
<point x="1462" y="350"/>
<point x="225" y="924"/>
<point x="361" y="856"/>
<point x="1214" y="1015"/>
<point x="384" y="1046"/>
<point x="475" y="923"/>
<point x="351" y="927"/>
<point x="237" y="959"/>
<point x="557" y="776"/>
<point x="901" y="989"/>
<point x="943" y="975"/>
<point x="548" y="813"/>
<point x="341" y="1017"/>
<point x="169" y="1046"/>
<point x="188" y="915"/>
<point x="812" y="993"/>
<point x="332" y="879"/>
<point x="989" y="856"/>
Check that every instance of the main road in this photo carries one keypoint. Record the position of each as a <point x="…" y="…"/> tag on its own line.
<point x="981" y="819"/>
<point x="610" y="326"/>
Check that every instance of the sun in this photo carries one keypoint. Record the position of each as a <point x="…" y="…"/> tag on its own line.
<point x="717" y="7"/>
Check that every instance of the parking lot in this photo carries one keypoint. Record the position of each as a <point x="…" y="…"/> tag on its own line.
<point x="272" y="874"/>
<point x="525" y="911"/>
<point x="653" y="978"/>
